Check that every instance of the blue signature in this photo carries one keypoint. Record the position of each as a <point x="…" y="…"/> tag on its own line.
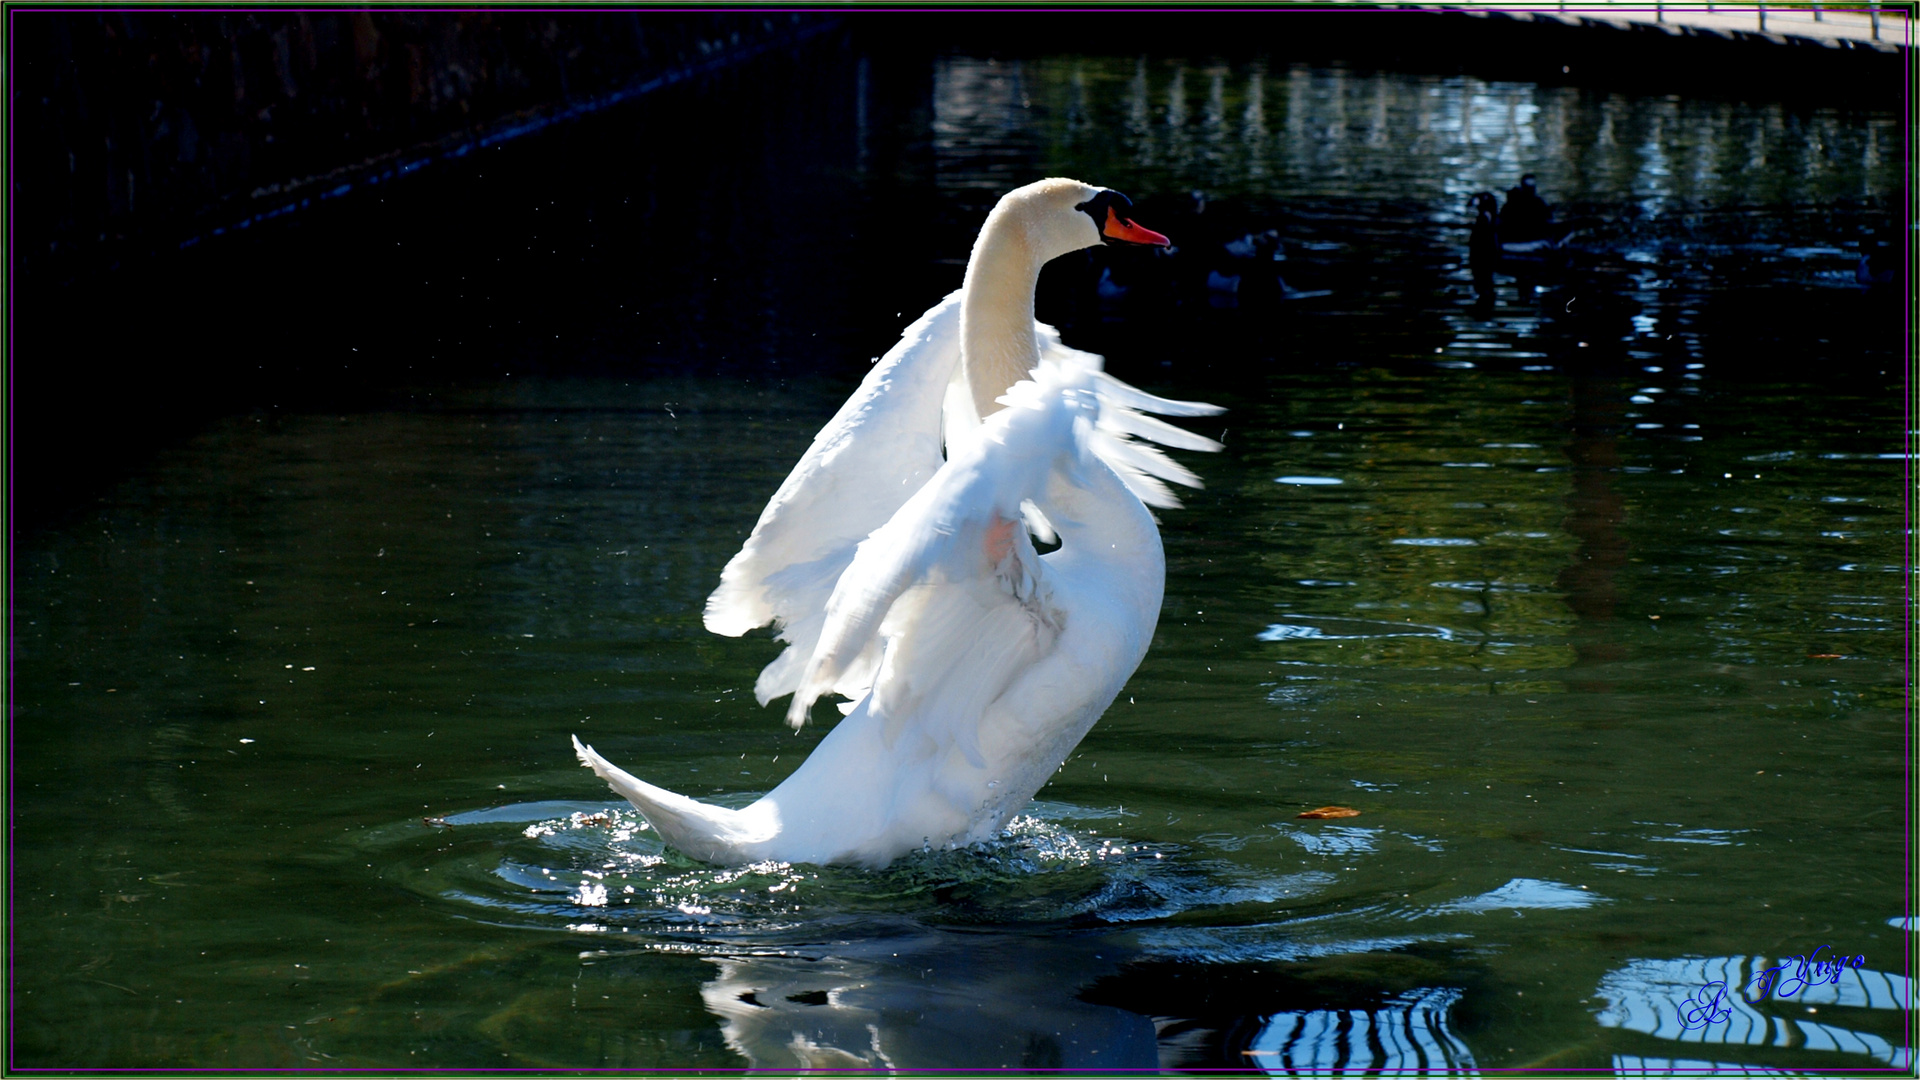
<point x="1709" y="1004"/>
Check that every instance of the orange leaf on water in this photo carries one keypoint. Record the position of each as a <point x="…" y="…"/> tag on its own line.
<point x="1329" y="812"/>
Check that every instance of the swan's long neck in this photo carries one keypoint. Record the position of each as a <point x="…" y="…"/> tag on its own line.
<point x="997" y="345"/>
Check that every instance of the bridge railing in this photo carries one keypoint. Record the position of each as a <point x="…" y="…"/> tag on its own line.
<point x="1861" y="22"/>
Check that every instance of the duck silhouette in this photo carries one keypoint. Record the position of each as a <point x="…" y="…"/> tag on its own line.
<point x="1520" y="240"/>
<point x="1868" y="278"/>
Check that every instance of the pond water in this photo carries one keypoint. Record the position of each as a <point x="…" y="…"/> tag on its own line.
<point x="1588" y="595"/>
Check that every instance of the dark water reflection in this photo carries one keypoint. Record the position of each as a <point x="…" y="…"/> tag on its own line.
<point x="1590" y="601"/>
<point x="1267" y="129"/>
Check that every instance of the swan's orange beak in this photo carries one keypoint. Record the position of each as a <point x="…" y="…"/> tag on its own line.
<point x="1119" y="228"/>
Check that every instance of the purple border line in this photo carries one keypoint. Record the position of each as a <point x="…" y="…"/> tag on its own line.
<point x="1707" y="1069"/>
<point x="538" y="120"/>
<point x="1910" y="444"/>
<point x="13" y="308"/>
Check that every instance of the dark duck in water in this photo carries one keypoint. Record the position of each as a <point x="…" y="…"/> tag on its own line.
<point x="1520" y="240"/>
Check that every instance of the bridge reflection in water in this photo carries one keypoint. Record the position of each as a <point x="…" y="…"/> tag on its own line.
<point x="1660" y="998"/>
<point x="1407" y="1036"/>
<point x="925" y="1000"/>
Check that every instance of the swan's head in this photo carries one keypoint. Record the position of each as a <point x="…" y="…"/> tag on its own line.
<point x="1059" y="215"/>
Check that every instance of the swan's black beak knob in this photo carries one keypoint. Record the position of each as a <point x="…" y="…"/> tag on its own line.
<point x="1108" y="211"/>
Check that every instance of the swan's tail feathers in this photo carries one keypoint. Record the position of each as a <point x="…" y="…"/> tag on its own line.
<point x="708" y="833"/>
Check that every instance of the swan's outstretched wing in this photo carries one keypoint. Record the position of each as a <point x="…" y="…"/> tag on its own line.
<point x="951" y="573"/>
<point x="1141" y="467"/>
<point x="881" y="447"/>
<point x="949" y="596"/>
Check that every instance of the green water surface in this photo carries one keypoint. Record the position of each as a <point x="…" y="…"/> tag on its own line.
<point x="1599" y="625"/>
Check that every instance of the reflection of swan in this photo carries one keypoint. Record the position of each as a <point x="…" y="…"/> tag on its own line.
<point x="911" y="585"/>
<point x="928" y="1000"/>
<point x="978" y="1000"/>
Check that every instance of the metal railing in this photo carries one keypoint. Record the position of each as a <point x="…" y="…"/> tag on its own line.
<point x="1662" y="9"/>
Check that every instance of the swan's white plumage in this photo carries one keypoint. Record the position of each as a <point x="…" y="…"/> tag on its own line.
<point x="907" y="581"/>
<point x="881" y="447"/>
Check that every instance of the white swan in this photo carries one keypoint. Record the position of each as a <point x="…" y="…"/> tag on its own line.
<point x="909" y="583"/>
